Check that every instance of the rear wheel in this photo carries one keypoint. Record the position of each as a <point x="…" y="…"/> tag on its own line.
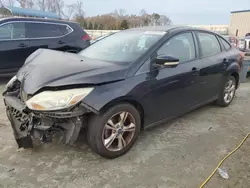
<point x="227" y="92"/>
<point x="113" y="132"/>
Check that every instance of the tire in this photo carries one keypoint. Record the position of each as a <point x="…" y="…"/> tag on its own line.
<point x="221" y="101"/>
<point x="97" y="131"/>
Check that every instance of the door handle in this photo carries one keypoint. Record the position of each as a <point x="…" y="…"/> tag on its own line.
<point x="22" y="45"/>
<point x="60" y="42"/>
<point x="195" y="71"/>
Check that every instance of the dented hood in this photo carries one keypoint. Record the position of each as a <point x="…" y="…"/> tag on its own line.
<point x="49" y="68"/>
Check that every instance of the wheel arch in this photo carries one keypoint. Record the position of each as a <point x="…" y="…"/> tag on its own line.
<point x="129" y="100"/>
<point x="237" y="78"/>
<point x="233" y="70"/>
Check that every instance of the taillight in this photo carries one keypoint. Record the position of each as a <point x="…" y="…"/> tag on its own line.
<point x="241" y="59"/>
<point x="242" y="55"/>
<point x="86" y="37"/>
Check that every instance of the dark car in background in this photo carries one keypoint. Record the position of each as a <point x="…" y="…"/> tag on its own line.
<point x="120" y="85"/>
<point x="20" y="37"/>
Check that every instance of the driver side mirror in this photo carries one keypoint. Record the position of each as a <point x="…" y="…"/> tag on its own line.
<point x="167" y="61"/>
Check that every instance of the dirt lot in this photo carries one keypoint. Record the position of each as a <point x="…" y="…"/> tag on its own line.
<point x="181" y="153"/>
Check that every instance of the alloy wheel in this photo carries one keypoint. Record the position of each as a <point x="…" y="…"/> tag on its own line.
<point x="229" y="91"/>
<point x="119" y="131"/>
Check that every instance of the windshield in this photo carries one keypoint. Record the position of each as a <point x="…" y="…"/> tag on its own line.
<point x="122" y="47"/>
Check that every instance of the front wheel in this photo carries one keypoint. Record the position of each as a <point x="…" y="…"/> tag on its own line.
<point x="227" y="92"/>
<point x="113" y="132"/>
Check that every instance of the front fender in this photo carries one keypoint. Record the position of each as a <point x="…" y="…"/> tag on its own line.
<point x="131" y="89"/>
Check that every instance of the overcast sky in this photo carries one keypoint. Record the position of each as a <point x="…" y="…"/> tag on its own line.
<point x="179" y="11"/>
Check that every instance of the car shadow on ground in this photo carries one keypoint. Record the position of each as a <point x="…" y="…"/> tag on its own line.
<point x="81" y="142"/>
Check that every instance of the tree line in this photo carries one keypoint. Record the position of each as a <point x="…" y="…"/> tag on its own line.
<point x="120" y="20"/>
<point x="65" y="11"/>
<point x="116" y="20"/>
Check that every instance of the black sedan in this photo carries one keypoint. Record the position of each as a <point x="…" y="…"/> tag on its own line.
<point x="126" y="82"/>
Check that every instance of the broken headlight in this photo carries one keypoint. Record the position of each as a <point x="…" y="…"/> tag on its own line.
<point x="57" y="100"/>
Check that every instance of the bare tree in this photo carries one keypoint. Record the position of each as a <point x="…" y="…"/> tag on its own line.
<point x="7" y="2"/>
<point x="59" y="7"/>
<point x="79" y="9"/>
<point x="30" y="3"/>
<point x="164" y="20"/>
<point x="69" y="11"/>
<point x="42" y="5"/>
<point x="23" y="3"/>
<point x="143" y="19"/>
<point x="115" y="14"/>
<point x="142" y="12"/>
<point x="122" y="12"/>
<point x="51" y="6"/>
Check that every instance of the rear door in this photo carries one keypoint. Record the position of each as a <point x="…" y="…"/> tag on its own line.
<point x="46" y="35"/>
<point x="214" y="61"/>
<point x="14" y="46"/>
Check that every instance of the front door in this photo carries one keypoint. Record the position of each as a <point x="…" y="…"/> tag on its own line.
<point x="14" y="47"/>
<point x="172" y="91"/>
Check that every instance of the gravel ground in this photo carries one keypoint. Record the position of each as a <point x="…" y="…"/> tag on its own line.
<point x="180" y="153"/>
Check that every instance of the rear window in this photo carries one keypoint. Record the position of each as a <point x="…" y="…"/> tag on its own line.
<point x="43" y="30"/>
<point x="65" y="29"/>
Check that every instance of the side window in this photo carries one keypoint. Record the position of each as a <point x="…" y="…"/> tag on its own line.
<point x="65" y="29"/>
<point x="209" y="44"/>
<point x="40" y="30"/>
<point x="226" y="45"/>
<point x="12" y="31"/>
<point x="180" y="46"/>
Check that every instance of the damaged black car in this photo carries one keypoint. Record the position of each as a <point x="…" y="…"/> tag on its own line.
<point x="124" y="83"/>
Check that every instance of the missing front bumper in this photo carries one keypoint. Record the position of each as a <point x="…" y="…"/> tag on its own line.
<point x="22" y="138"/>
<point x="30" y="126"/>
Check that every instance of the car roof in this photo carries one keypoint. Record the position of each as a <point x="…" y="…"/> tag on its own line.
<point x="35" y="19"/>
<point x="157" y="28"/>
<point x="168" y="28"/>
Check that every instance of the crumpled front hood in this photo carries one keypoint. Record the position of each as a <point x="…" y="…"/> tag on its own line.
<point x="49" y="68"/>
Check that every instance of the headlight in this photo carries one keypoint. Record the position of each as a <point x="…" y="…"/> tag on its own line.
<point x="12" y="80"/>
<point x="57" y="100"/>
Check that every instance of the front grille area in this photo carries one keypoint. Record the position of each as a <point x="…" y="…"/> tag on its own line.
<point x="18" y="115"/>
